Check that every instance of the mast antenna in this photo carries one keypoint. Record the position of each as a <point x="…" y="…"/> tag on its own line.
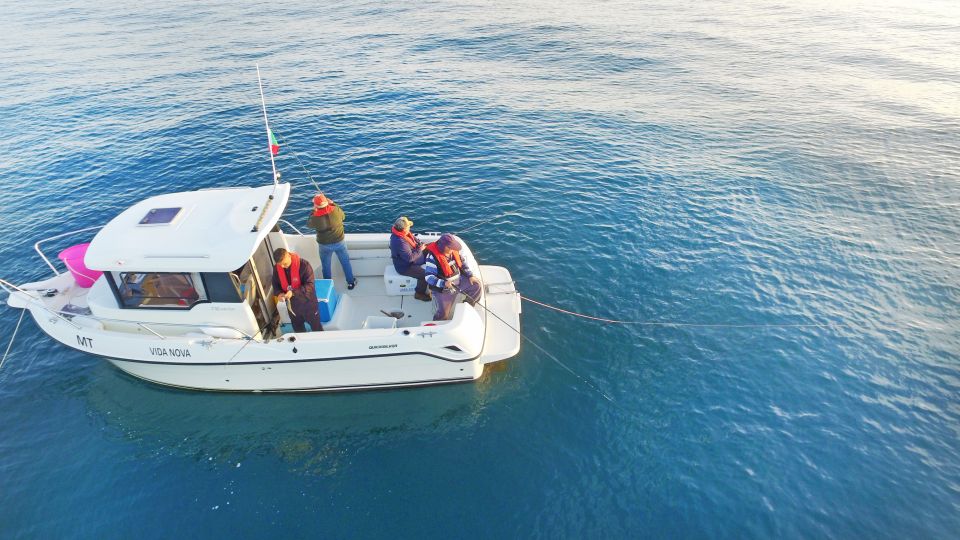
<point x="270" y="145"/>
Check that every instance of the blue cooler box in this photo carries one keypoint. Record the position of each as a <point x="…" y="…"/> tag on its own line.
<point x="328" y="298"/>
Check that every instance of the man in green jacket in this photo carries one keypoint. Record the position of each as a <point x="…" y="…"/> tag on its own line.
<point x="327" y="219"/>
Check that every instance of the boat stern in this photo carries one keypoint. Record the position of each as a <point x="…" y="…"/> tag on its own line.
<point x="502" y="301"/>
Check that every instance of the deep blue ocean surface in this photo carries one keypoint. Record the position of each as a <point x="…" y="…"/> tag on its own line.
<point x="758" y="162"/>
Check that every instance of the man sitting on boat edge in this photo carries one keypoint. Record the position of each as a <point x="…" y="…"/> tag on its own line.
<point x="293" y="282"/>
<point x="408" y="254"/>
<point x="443" y="268"/>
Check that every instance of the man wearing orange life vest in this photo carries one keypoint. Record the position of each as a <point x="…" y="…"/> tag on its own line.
<point x="327" y="218"/>
<point x="293" y="282"/>
<point x="444" y="270"/>
<point x="408" y="254"/>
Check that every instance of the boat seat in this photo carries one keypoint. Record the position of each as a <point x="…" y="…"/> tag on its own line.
<point x="396" y="284"/>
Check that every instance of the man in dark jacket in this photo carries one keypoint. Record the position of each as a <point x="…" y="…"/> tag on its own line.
<point x="293" y="283"/>
<point x="408" y="255"/>
<point x="445" y="272"/>
<point x="327" y="218"/>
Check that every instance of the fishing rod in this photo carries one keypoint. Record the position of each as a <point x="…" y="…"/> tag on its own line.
<point x="266" y="124"/>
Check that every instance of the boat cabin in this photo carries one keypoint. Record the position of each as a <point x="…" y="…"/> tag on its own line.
<point x="195" y="258"/>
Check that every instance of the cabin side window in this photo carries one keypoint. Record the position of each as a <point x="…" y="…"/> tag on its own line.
<point x="176" y="290"/>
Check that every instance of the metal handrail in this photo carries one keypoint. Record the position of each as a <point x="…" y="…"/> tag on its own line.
<point x="44" y="257"/>
<point x="146" y="324"/>
<point x="7" y="286"/>
<point x="151" y="330"/>
<point x="292" y="226"/>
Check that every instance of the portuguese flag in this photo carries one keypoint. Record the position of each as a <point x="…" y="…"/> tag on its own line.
<point x="274" y="145"/>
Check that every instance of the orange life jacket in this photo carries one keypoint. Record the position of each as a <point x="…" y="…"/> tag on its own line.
<point x="442" y="261"/>
<point x="408" y="236"/>
<point x="294" y="274"/>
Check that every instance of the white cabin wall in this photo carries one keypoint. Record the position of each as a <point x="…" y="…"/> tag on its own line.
<point x="306" y="246"/>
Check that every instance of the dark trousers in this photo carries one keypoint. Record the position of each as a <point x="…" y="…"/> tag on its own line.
<point x="305" y="312"/>
<point x="445" y="300"/>
<point x="416" y="271"/>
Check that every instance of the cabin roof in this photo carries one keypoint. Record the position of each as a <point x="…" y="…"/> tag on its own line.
<point x="211" y="232"/>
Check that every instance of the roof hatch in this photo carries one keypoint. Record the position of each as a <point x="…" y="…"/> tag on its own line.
<point x="160" y="216"/>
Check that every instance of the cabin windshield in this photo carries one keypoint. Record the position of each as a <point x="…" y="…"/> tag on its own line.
<point x="177" y="290"/>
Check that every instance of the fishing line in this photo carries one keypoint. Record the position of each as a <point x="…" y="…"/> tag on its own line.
<point x="286" y="144"/>
<point x="677" y="324"/>
<point x="283" y="139"/>
<point x="249" y="339"/>
<point x="12" y="337"/>
<point x="541" y="349"/>
<point x="474" y="226"/>
<point x="297" y="156"/>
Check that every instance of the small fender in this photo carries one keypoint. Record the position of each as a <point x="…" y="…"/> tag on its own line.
<point x="222" y="332"/>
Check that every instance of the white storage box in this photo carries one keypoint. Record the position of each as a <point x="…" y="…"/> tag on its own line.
<point x="396" y="284"/>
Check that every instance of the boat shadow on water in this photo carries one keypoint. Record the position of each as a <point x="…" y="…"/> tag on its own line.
<point x="312" y="433"/>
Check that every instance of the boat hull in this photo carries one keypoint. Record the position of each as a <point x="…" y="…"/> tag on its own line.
<point x="319" y="375"/>
<point x="448" y="352"/>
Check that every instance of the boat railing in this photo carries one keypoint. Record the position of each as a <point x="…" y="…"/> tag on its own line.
<point x="43" y="255"/>
<point x="149" y="326"/>
<point x="291" y="225"/>
<point x="67" y="316"/>
<point x="10" y="288"/>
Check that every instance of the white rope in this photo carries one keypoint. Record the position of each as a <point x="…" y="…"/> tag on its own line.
<point x="14" y="336"/>
<point x="677" y="324"/>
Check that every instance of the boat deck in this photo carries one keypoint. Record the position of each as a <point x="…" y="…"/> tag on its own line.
<point x="368" y="298"/>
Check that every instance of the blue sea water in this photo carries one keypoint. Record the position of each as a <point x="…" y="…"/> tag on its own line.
<point x="736" y="164"/>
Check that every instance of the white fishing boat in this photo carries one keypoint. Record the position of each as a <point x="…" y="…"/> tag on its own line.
<point x="182" y="293"/>
<point x="178" y="290"/>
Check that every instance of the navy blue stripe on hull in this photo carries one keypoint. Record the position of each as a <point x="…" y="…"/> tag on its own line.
<point x="275" y="362"/>
<point x="339" y="388"/>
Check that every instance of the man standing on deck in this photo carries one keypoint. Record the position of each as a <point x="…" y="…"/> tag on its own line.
<point x="444" y="268"/>
<point x="327" y="218"/>
<point x="293" y="282"/>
